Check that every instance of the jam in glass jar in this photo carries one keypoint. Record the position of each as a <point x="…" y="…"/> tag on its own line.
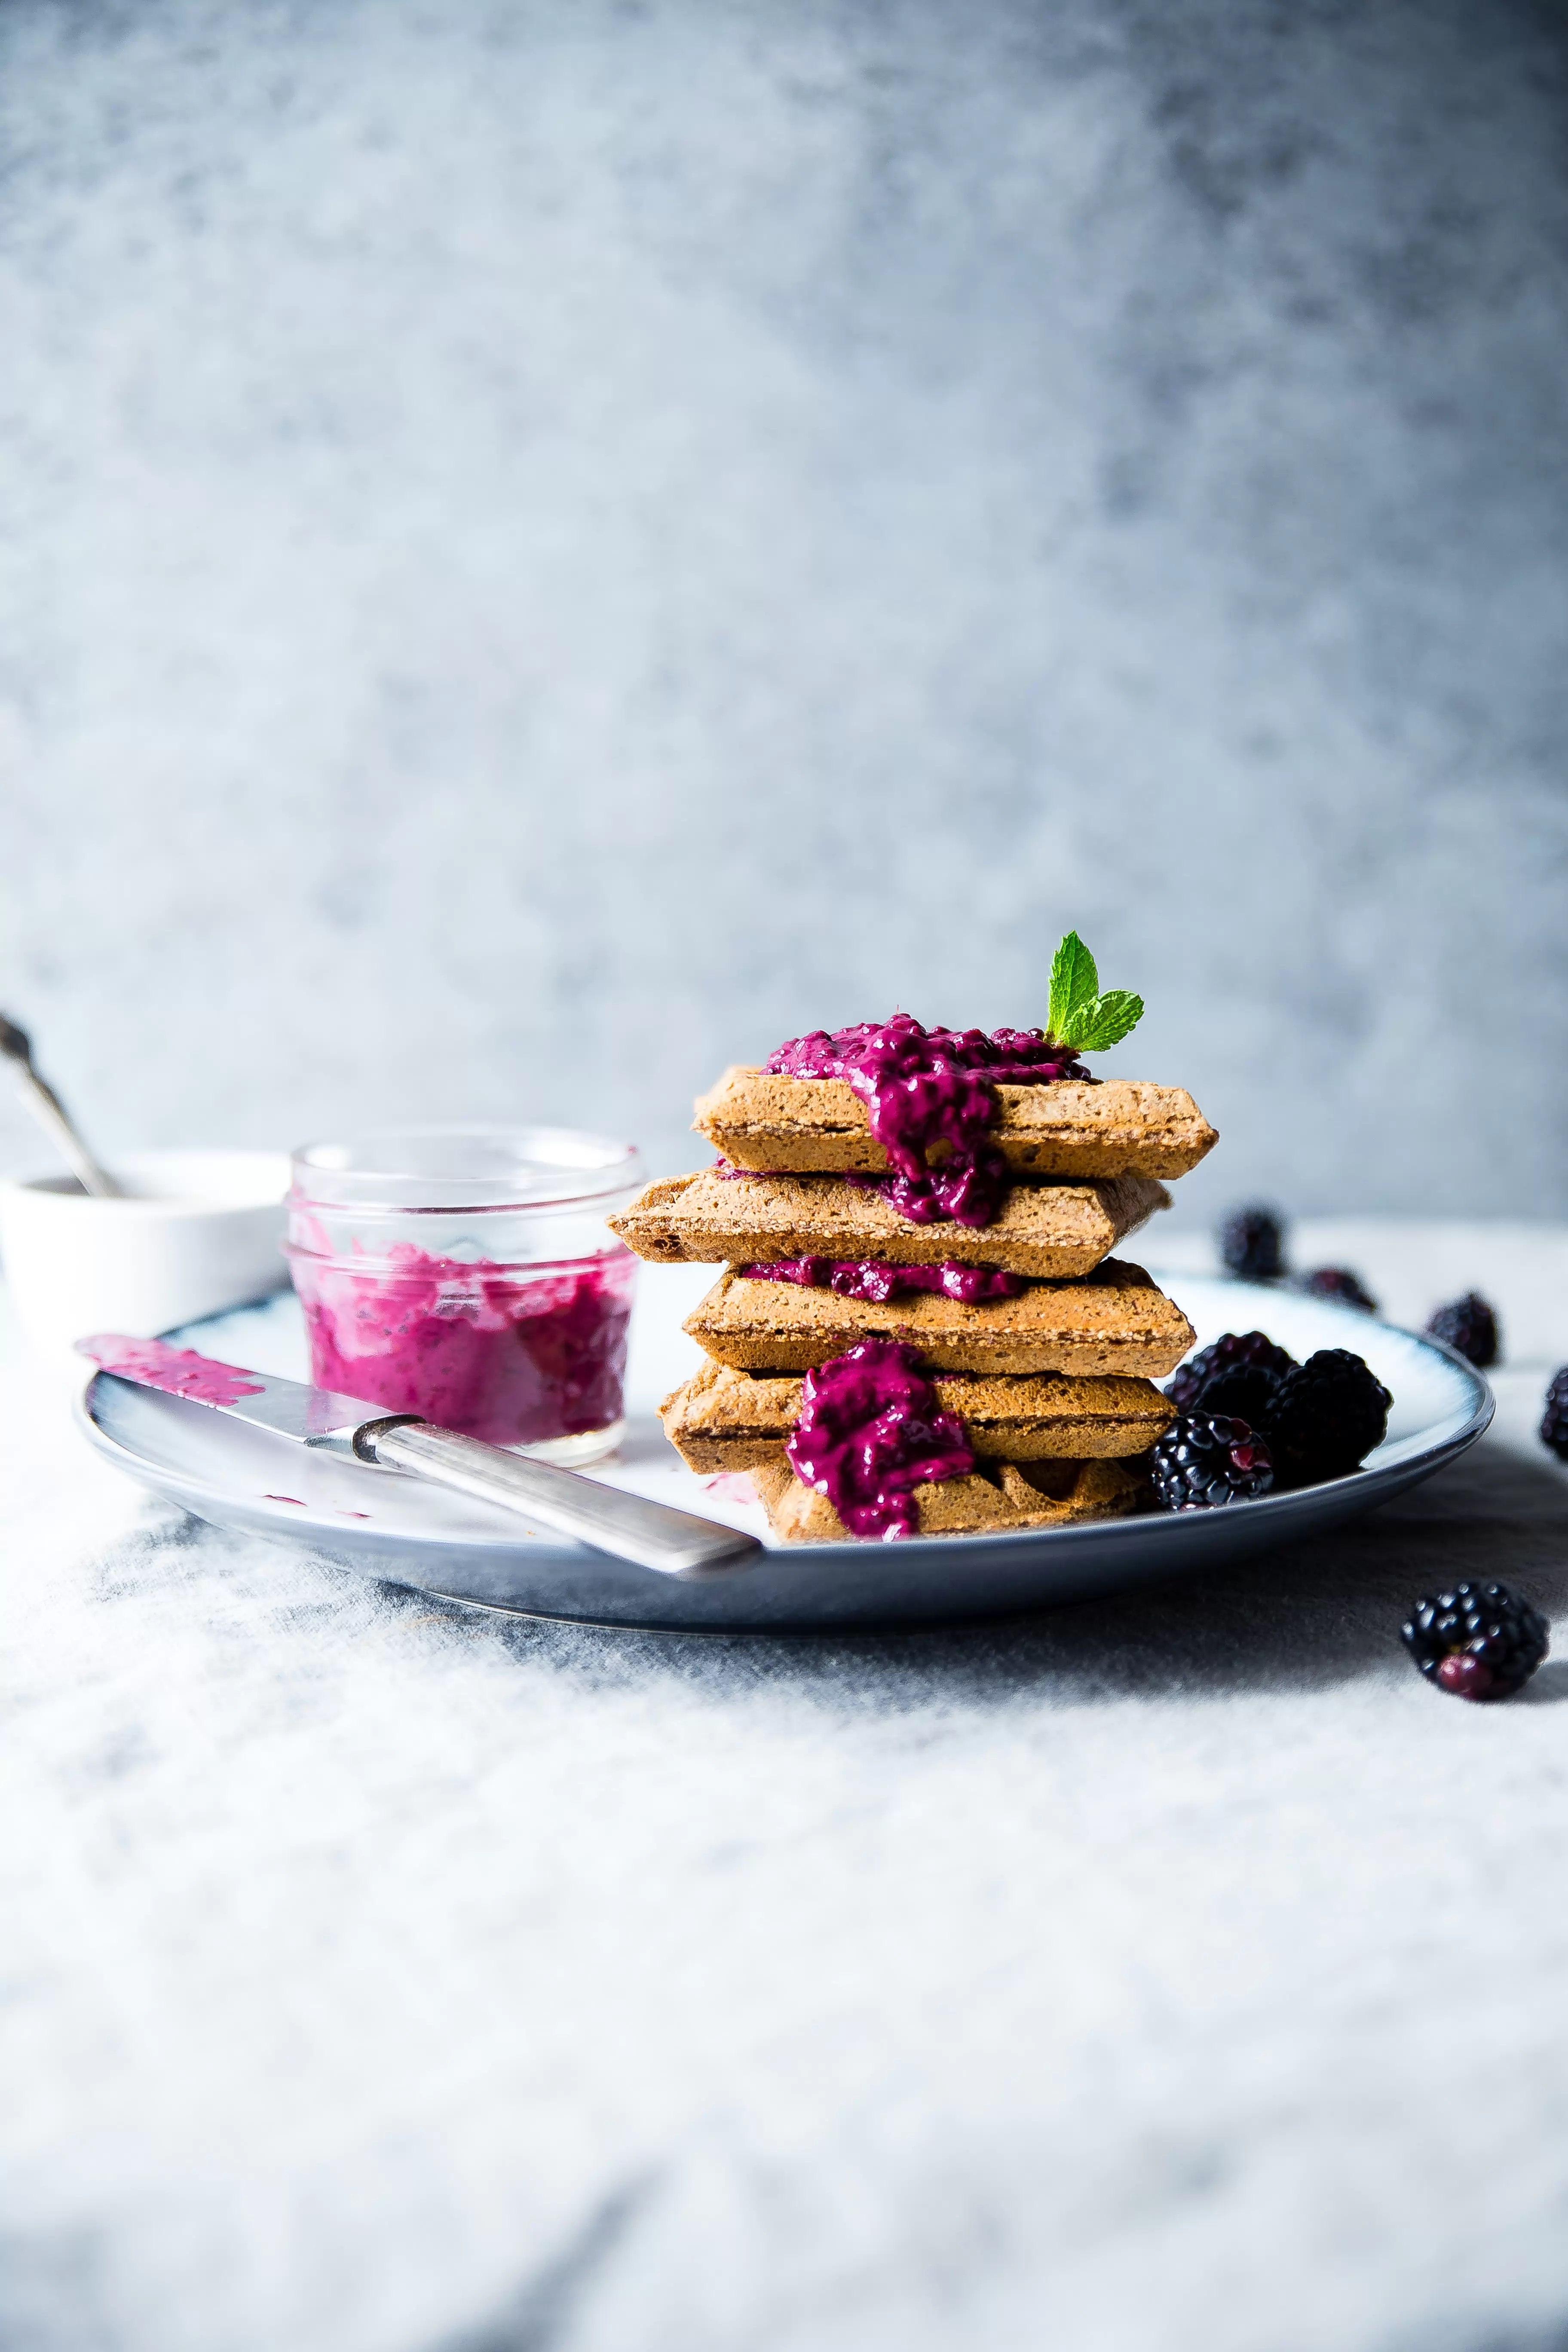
<point x="467" y="1274"/>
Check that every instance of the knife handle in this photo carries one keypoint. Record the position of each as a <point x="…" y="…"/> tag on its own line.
<point x="674" y="1542"/>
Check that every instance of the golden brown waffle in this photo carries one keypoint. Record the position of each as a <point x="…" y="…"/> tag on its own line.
<point x="1115" y="1321"/>
<point x="725" y="1420"/>
<point x="1053" y="1231"/>
<point x="1115" y="1127"/>
<point x="1051" y="1495"/>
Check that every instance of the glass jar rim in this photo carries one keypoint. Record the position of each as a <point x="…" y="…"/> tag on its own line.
<point x="417" y="1268"/>
<point x="453" y="1170"/>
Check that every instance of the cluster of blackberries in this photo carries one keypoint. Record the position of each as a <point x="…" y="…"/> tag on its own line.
<point x="1250" y="1417"/>
<point x="1479" y="1641"/>
<point x="1252" y="1420"/>
<point x="1252" y="1246"/>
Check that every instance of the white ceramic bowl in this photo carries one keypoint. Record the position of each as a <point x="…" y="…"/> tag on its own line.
<point x="200" y="1232"/>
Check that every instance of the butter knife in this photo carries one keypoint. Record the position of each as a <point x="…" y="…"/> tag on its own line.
<point x="676" y="1543"/>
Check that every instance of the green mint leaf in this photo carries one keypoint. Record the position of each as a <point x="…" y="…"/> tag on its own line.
<point x="1074" y="983"/>
<point x="1103" y="1022"/>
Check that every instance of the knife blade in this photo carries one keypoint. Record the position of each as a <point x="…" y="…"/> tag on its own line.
<point x="653" y="1534"/>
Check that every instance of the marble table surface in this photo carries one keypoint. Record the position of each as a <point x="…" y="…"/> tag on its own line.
<point x="1177" y="1972"/>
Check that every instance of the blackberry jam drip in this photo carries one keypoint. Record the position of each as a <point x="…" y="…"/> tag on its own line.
<point x="931" y="1088"/>
<point x="874" y="1278"/>
<point x="871" y="1431"/>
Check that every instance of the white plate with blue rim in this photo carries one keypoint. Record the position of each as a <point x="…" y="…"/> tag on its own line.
<point x="408" y="1533"/>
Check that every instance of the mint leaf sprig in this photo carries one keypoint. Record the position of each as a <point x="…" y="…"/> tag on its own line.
<point x="1082" y="1018"/>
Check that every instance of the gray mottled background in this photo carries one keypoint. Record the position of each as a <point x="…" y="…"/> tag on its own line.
<point x="547" y="548"/>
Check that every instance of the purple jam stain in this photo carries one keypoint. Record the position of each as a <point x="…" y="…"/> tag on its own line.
<point x="732" y="1486"/>
<point x="179" y="1372"/>
<point x="299" y="1506"/>
<point x="926" y="1089"/>
<point x="514" y="1355"/>
<point x="869" y="1432"/>
<point x="874" y="1278"/>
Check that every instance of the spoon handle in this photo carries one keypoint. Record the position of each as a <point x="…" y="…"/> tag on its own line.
<point x="50" y="1112"/>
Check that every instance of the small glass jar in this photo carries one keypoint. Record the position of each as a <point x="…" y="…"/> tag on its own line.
<point x="466" y="1273"/>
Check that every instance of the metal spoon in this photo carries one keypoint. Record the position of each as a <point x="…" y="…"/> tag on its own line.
<point x="50" y="1112"/>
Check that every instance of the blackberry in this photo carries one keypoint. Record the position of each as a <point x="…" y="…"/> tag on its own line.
<point x="1554" y="1426"/>
<point x="1332" y="1410"/>
<point x="1471" y="1326"/>
<point x="1241" y="1393"/>
<point x="1479" y="1641"/>
<point x="1251" y="1243"/>
<point x="1206" y="1460"/>
<point x="1226" y="1354"/>
<point x="1338" y="1282"/>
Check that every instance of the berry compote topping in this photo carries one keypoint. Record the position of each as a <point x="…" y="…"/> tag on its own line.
<point x="871" y="1431"/>
<point x="932" y="1088"/>
<point x="874" y="1278"/>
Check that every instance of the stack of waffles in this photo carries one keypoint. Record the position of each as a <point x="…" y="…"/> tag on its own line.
<point x="1044" y="1344"/>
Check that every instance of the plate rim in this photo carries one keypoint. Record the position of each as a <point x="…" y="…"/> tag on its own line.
<point x="1276" y="1511"/>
